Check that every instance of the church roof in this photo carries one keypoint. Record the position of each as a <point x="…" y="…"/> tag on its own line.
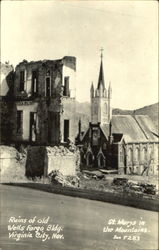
<point x="105" y="130"/>
<point x="135" y="128"/>
<point x="101" y="76"/>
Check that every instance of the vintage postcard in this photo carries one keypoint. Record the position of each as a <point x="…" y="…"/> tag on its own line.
<point x="79" y="125"/>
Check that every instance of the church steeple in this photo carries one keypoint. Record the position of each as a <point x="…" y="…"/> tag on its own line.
<point x="101" y="82"/>
<point x="101" y="111"/>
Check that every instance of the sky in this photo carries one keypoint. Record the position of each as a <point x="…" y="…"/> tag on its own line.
<point x="127" y="31"/>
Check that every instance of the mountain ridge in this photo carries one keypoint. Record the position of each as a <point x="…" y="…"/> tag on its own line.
<point x="83" y="112"/>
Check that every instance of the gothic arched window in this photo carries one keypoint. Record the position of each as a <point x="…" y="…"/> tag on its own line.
<point x="130" y="154"/>
<point x="101" y="161"/>
<point x="144" y="154"/>
<point x="137" y="154"/>
<point x="106" y="108"/>
<point x="89" y="159"/>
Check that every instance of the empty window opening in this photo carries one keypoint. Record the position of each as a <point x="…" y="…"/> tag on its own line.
<point x="22" y="74"/>
<point x="19" y="121"/>
<point x="66" y="130"/>
<point x="48" y="86"/>
<point x="66" y="91"/>
<point x="34" y="82"/>
<point x="32" y="126"/>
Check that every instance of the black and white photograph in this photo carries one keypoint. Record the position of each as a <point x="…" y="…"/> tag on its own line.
<point x="79" y="134"/>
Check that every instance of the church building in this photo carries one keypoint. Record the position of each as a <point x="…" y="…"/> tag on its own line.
<point x="127" y="143"/>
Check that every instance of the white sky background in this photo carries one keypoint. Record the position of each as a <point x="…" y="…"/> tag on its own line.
<point x="128" y="32"/>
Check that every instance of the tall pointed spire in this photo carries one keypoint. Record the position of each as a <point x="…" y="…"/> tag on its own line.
<point x="101" y="73"/>
<point x="92" y="90"/>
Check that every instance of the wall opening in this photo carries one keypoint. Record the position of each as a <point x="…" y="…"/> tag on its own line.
<point x="66" y="91"/>
<point x="48" y="86"/>
<point x="22" y="74"/>
<point x="66" y="130"/>
<point x="19" y="121"/>
<point x="34" y="82"/>
<point x="33" y="126"/>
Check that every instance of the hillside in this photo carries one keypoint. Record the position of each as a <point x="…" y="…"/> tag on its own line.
<point x="151" y="110"/>
<point x="83" y="112"/>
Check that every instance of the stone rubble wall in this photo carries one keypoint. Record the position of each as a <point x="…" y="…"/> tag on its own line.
<point x="62" y="159"/>
<point x="42" y="160"/>
<point x="12" y="165"/>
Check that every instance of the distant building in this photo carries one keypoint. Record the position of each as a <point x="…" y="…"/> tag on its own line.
<point x="128" y="143"/>
<point x="43" y="102"/>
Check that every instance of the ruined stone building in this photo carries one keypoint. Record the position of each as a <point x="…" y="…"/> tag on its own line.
<point x="127" y="143"/>
<point x="42" y="102"/>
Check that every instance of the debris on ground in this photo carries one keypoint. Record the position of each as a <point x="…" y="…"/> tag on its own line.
<point x="120" y="181"/>
<point x="93" y="174"/>
<point x="135" y="186"/>
<point x="105" y="171"/>
<point x="148" y="188"/>
<point x="57" y="178"/>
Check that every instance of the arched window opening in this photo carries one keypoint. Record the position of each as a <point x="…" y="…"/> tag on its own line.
<point x="144" y="154"/>
<point x="89" y="159"/>
<point x="101" y="161"/>
<point x="137" y="154"/>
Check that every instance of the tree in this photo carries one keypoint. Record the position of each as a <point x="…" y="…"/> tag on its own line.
<point x="147" y="165"/>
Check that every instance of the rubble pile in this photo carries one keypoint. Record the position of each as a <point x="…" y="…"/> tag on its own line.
<point x="148" y="188"/>
<point x="135" y="186"/>
<point x="93" y="174"/>
<point x="21" y="155"/>
<point x="58" y="178"/>
<point x="120" y="181"/>
<point x="58" y="151"/>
